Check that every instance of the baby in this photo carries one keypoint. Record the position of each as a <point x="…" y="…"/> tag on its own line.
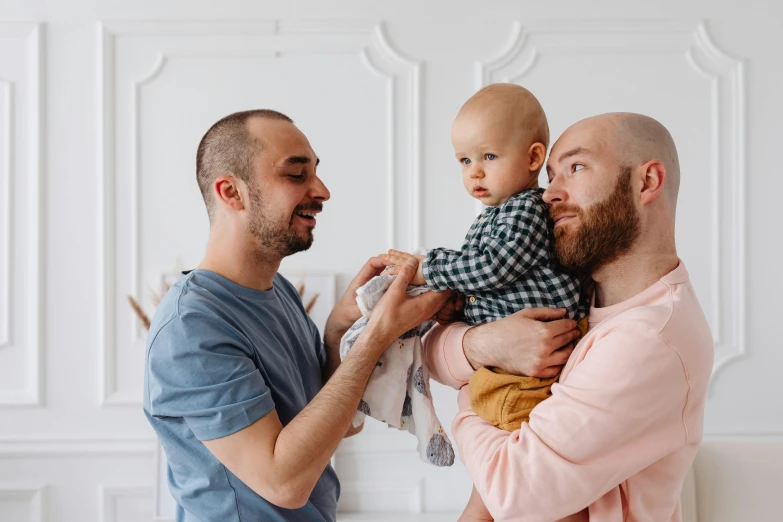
<point x="506" y="263"/>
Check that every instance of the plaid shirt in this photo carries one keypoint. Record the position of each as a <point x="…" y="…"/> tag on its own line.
<point x="506" y="263"/>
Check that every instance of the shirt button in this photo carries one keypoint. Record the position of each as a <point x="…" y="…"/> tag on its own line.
<point x="472" y="299"/>
<point x="481" y="219"/>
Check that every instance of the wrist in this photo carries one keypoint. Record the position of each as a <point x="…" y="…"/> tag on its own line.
<point x="376" y="337"/>
<point x="473" y="347"/>
<point x="331" y="338"/>
<point x="335" y="329"/>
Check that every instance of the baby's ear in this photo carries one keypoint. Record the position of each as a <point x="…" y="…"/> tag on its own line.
<point x="537" y="155"/>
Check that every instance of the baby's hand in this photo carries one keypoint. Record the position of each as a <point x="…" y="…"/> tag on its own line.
<point x="397" y="258"/>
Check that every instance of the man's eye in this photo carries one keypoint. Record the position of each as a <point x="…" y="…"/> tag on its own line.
<point x="490" y="157"/>
<point x="297" y="177"/>
<point x="577" y="167"/>
<point x="465" y="161"/>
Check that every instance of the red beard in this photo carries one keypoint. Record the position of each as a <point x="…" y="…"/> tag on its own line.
<point x="604" y="231"/>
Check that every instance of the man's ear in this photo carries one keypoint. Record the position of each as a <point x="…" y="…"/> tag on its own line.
<point x="653" y="175"/>
<point x="230" y="192"/>
<point x="536" y="155"/>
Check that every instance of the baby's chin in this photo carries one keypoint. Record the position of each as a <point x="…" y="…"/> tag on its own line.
<point x="491" y="200"/>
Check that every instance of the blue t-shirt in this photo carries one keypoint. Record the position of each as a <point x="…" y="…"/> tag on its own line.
<point x="220" y="356"/>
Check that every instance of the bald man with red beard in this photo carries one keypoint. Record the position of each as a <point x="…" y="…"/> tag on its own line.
<point x="616" y="438"/>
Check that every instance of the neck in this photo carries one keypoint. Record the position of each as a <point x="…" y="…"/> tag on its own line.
<point x="643" y="266"/>
<point x="234" y="255"/>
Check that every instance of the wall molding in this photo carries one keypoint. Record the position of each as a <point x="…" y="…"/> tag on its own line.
<point x="690" y="40"/>
<point x="34" y="494"/>
<point x="757" y="437"/>
<point x="6" y="154"/>
<point x="32" y="36"/>
<point x="368" y="41"/>
<point x="76" y="447"/>
<point x="407" y="496"/>
<point x="109" y="495"/>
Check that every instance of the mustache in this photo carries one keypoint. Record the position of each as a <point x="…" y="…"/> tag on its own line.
<point x="559" y="210"/>
<point x="314" y="206"/>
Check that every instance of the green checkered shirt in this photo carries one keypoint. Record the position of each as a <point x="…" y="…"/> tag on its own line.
<point x="506" y="263"/>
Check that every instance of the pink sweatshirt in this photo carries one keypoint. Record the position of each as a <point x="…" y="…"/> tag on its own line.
<point x="618" y="435"/>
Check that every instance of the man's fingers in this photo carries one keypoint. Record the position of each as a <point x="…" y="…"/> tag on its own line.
<point x="564" y="338"/>
<point x="543" y="314"/>
<point x="560" y="357"/>
<point x="371" y="268"/>
<point x="432" y="300"/>
<point x="548" y="373"/>
<point x="560" y="326"/>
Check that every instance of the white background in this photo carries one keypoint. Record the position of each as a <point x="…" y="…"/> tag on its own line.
<point x="102" y="105"/>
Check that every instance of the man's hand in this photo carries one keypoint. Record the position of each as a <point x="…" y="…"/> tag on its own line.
<point x="452" y="310"/>
<point x="397" y="258"/>
<point x="475" y="511"/>
<point x="535" y="342"/>
<point x="346" y="312"/>
<point x="396" y="313"/>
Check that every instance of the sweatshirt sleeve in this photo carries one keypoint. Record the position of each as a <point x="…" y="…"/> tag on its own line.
<point x="618" y="411"/>
<point x="445" y="357"/>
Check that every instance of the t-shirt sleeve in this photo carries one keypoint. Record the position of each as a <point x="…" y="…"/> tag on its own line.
<point x="201" y="370"/>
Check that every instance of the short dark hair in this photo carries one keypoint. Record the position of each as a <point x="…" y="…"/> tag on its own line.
<point x="229" y="147"/>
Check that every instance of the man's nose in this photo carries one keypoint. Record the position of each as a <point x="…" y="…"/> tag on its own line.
<point x="554" y="192"/>
<point x="319" y="191"/>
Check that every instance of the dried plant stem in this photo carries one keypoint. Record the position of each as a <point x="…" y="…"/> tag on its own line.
<point x="309" y="306"/>
<point x="139" y="313"/>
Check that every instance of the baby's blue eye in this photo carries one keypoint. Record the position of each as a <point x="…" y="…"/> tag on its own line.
<point x="490" y="157"/>
<point x="465" y="161"/>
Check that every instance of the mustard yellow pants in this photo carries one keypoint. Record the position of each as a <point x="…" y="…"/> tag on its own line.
<point x="506" y="400"/>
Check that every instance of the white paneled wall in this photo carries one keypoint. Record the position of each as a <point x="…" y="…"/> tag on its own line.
<point x="102" y="105"/>
<point x="20" y="215"/>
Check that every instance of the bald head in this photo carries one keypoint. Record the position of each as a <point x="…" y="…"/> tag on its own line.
<point x="511" y="105"/>
<point x="229" y="147"/>
<point x="638" y="139"/>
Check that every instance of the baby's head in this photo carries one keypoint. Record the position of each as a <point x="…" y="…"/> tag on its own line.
<point x="500" y="137"/>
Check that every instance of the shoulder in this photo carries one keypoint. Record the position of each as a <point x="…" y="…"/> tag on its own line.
<point x="529" y="198"/>
<point x="634" y="352"/>
<point x="190" y="316"/>
<point x="287" y="292"/>
<point x="527" y="205"/>
<point x="284" y="286"/>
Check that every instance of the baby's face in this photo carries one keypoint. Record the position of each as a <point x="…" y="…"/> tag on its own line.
<point x="494" y="157"/>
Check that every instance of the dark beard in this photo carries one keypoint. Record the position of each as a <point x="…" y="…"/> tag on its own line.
<point x="283" y="240"/>
<point x="605" y="231"/>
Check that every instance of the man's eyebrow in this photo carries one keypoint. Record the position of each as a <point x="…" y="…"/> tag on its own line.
<point x="300" y="160"/>
<point x="573" y="152"/>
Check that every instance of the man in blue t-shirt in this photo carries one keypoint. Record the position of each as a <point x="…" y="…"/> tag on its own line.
<point x="247" y="401"/>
